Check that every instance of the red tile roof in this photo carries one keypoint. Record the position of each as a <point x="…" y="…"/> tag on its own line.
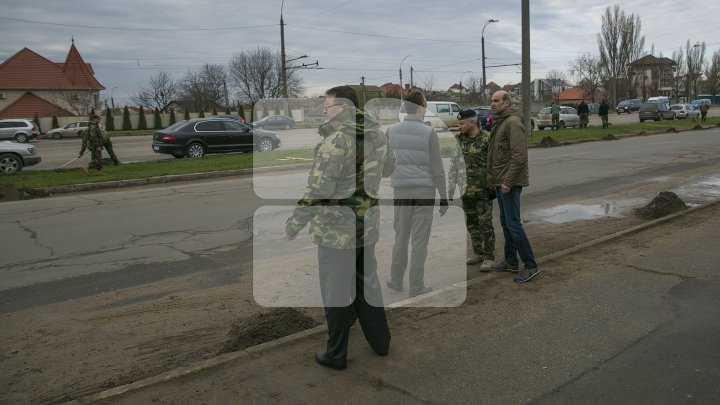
<point x="30" y="104"/>
<point x="26" y="70"/>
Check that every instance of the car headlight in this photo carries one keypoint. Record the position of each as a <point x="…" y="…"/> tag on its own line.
<point x="31" y="150"/>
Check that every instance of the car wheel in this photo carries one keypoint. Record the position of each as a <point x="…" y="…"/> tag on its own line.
<point x="21" y="138"/>
<point x="10" y="163"/>
<point x="561" y="124"/>
<point x="195" y="150"/>
<point x="56" y="135"/>
<point x="265" y="145"/>
<point x="287" y="126"/>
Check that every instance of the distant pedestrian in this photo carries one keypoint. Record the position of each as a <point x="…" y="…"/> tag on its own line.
<point x="508" y="172"/>
<point x="92" y="140"/>
<point x="418" y="174"/>
<point x="583" y="112"/>
<point x="603" y="112"/>
<point x="468" y="170"/>
<point x="555" y="111"/>
<point x="703" y="111"/>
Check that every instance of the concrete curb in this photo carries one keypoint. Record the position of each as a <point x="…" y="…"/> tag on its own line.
<point x="230" y="357"/>
<point x="74" y="188"/>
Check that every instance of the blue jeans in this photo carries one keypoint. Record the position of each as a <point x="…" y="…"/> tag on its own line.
<point x="516" y="241"/>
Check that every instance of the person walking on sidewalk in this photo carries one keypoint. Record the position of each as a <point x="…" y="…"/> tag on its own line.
<point x="703" y="111"/>
<point x="418" y="173"/>
<point x="603" y="112"/>
<point x="468" y="169"/>
<point x="555" y="111"/>
<point x="508" y="172"/>
<point x="340" y="204"/>
<point x="583" y="111"/>
<point x="92" y="140"/>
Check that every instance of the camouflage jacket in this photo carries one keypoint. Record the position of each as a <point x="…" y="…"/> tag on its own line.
<point x="468" y="166"/>
<point x="92" y="139"/>
<point x="343" y="185"/>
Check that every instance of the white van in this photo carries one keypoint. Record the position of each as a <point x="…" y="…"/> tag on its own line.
<point x="439" y="114"/>
<point x="659" y="99"/>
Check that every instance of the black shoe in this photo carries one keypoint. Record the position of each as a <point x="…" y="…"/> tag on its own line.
<point x="527" y="275"/>
<point x="504" y="266"/>
<point x="395" y="286"/>
<point x="324" y="361"/>
<point x="421" y="291"/>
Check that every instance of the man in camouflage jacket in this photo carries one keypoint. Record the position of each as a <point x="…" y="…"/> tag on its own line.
<point x="340" y="205"/>
<point x="468" y="170"/>
<point x="92" y="140"/>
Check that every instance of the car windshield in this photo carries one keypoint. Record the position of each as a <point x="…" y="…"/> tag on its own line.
<point x="545" y="110"/>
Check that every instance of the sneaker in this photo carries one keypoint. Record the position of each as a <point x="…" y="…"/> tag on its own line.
<point x="527" y="275"/>
<point x="475" y="259"/>
<point x="486" y="267"/>
<point x="395" y="286"/>
<point x="421" y="291"/>
<point x="505" y="266"/>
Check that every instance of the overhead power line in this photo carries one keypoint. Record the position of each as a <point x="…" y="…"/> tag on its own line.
<point x="137" y="29"/>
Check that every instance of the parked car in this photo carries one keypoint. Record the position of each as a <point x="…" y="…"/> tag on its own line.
<point x="659" y="99"/>
<point x="656" y="112"/>
<point x="568" y="118"/>
<point x="235" y="117"/>
<point x="696" y="103"/>
<point x="594" y="108"/>
<point x="15" y="156"/>
<point x="439" y="114"/>
<point x="18" y="129"/>
<point x="485" y="117"/>
<point x="628" y="106"/>
<point x="198" y="136"/>
<point x="693" y="112"/>
<point x="72" y="129"/>
<point x="274" y="122"/>
<point x="684" y="111"/>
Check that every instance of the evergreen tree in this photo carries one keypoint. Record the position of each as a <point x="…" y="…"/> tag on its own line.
<point x="187" y="115"/>
<point x="55" y="123"/>
<point x="36" y="120"/>
<point x="202" y="113"/>
<point x="127" y="125"/>
<point x="109" y="121"/>
<point x="277" y="109"/>
<point x="158" y="120"/>
<point x="214" y="111"/>
<point x="172" y="117"/>
<point x="227" y="110"/>
<point x="92" y="112"/>
<point x="142" y="122"/>
<point x="241" y="111"/>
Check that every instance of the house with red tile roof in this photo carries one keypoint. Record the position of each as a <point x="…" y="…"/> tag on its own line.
<point x="31" y="84"/>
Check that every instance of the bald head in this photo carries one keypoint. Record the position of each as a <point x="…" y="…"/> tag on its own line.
<point x="500" y="101"/>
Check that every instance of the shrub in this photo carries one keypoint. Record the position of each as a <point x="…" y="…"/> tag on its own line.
<point x="36" y="120"/>
<point x="172" y="117"/>
<point x="157" y="124"/>
<point x="55" y="123"/>
<point x="187" y="115"/>
<point x="109" y="121"/>
<point x="142" y="122"/>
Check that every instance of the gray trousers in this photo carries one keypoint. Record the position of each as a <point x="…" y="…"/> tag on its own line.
<point x="412" y="222"/>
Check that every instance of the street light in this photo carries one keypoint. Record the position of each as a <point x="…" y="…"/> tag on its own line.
<point x="482" y="43"/>
<point x="401" y="83"/>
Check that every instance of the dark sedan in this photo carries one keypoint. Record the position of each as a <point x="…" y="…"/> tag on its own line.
<point x="196" y="137"/>
<point x="275" y="122"/>
<point x="485" y="117"/>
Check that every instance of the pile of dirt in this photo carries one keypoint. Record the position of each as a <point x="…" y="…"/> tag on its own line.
<point x="548" y="142"/>
<point x="610" y="137"/>
<point x="665" y="203"/>
<point x="8" y="192"/>
<point x="265" y="327"/>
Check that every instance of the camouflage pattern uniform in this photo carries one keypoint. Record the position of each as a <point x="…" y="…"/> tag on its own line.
<point x="469" y="163"/>
<point x="342" y="186"/>
<point x="92" y="140"/>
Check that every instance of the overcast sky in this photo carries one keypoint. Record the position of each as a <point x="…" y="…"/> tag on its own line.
<point x="129" y="41"/>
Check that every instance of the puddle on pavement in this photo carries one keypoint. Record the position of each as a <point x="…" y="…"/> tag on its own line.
<point x="704" y="190"/>
<point x="577" y="212"/>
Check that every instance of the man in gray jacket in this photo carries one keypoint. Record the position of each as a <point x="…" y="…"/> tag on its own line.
<point x="508" y="173"/>
<point x="418" y="173"/>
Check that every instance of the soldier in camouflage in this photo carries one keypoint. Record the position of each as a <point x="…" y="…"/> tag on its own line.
<point x="340" y="205"/>
<point x="92" y="140"/>
<point x="468" y="170"/>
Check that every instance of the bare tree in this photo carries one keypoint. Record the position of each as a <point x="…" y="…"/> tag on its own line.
<point x="428" y="83"/>
<point x="588" y="72"/>
<point x="203" y="89"/>
<point x="712" y="72"/>
<point x="680" y="68"/>
<point x="162" y="90"/>
<point x="79" y="101"/>
<point x="694" y="56"/>
<point x="255" y="75"/>
<point x="620" y="43"/>
<point x="557" y="81"/>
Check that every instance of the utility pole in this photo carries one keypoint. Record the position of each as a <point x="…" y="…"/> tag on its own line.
<point x="482" y="45"/>
<point x="411" y="78"/>
<point x="525" y="64"/>
<point x="282" y="52"/>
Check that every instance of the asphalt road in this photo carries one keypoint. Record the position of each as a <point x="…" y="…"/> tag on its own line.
<point x="57" y="248"/>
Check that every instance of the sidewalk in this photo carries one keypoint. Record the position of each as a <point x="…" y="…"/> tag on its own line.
<point x="633" y="319"/>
